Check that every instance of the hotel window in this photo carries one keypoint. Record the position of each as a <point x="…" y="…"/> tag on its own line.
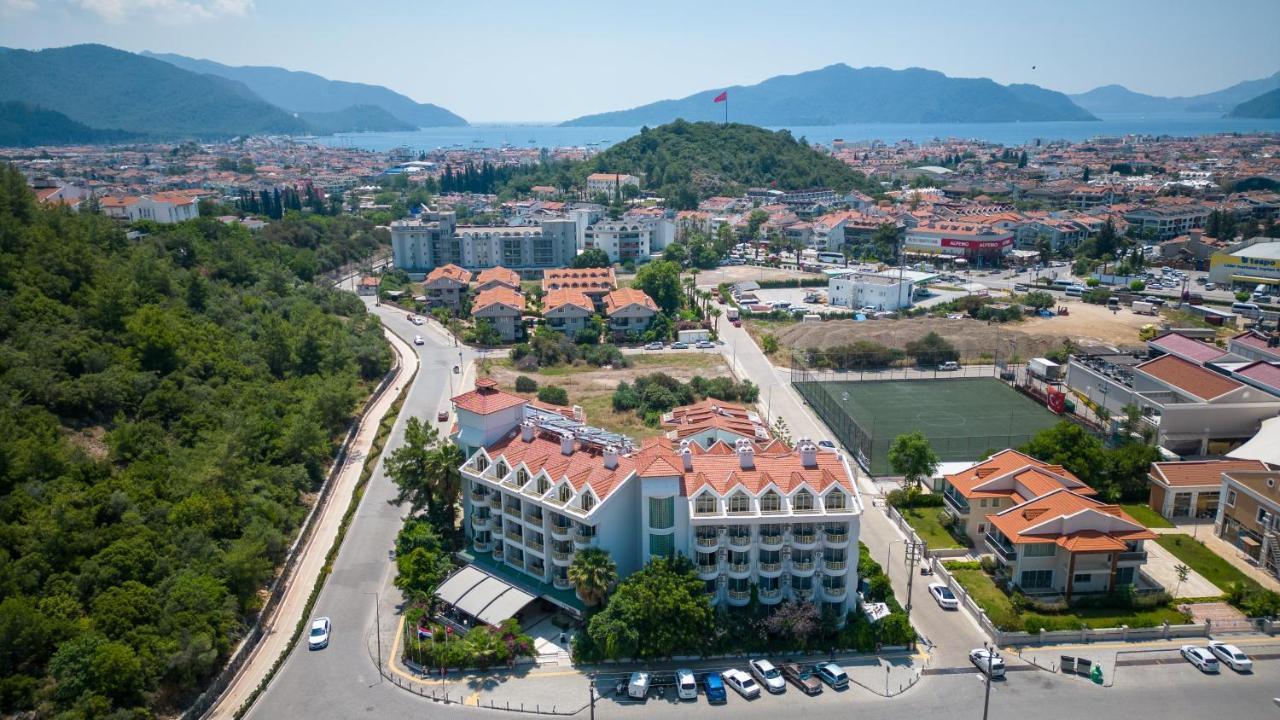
<point x="739" y="503"/>
<point x="543" y="485"/>
<point x="502" y="469"/>
<point x="662" y="513"/>
<point x="835" y="500"/>
<point x="662" y="545"/>
<point x="1035" y="579"/>
<point x="802" y="501"/>
<point x="481" y="463"/>
<point x="522" y="477"/>
<point x="588" y="501"/>
<point x="982" y="502"/>
<point x="565" y="493"/>
<point x="705" y="504"/>
<point x="1039" y="550"/>
<point x="770" y="502"/>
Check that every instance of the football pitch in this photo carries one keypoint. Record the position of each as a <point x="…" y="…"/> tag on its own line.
<point x="963" y="417"/>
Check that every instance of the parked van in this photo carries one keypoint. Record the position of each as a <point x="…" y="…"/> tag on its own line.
<point x="638" y="688"/>
<point x="1074" y="291"/>
<point x="1246" y="309"/>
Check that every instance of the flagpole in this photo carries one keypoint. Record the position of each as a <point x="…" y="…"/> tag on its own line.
<point x="726" y="108"/>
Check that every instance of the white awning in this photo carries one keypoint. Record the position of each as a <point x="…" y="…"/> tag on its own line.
<point x="1264" y="446"/>
<point x="482" y="596"/>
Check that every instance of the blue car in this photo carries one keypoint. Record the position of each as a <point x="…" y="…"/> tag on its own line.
<point x="715" y="688"/>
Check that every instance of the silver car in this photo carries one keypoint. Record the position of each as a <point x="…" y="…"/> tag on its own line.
<point x="318" y="637"/>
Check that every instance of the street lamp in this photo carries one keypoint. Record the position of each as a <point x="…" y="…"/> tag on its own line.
<point x="991" y="657"/>
<point x="591" y="692"/>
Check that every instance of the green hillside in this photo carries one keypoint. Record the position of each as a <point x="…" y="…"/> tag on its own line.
<point x="357" y="118"/>
<point x="101" y="87"/>
<point x="1266" y="105"/>
<point x="25" y="125"/>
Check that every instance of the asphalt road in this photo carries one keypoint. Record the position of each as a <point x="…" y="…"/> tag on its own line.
<point x="341" y="680"/>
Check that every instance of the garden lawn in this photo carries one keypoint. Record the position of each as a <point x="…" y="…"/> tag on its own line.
<point x="1000" y="610"/>
<point x="1200" y="558"/>
<point x="925" y="522"/>
<point x="1145" y="515"/>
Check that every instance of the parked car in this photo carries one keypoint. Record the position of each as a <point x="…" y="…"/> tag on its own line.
<point x="713" y="685"/>
<point x="1232" y="656"/>
<point x="1020" y="287"/>
<point x="686" y="684"/>
<point x="741" y="682"/>
<point x="1201" y="658"/>
<point x="679" y="346"/>
<point x="768" y="676"/>
<point x="826" y="444"/>
<point x="319" y="636"/>
<point x="653" y="346"/>
<point x="705" y="345"/>
<point x="946" y="599"/>
<point x="638" y="686"/>
<point x="417" y="340"/>
<point x="949" y="365"/>
<point x="802" y="679"/>
<point x="442" y="416"/>
<point x="1210" y="286"/>
<point x="417" y="319"/>
<point x="987" y="661"/>
<point x="832" y="674"/>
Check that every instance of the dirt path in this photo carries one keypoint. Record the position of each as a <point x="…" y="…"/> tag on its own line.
<point x="278" y="629"/>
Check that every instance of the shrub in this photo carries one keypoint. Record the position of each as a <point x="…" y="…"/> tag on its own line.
<point x="1137" y="286"/>
<point x="553" y="395"/>
<point x="1093" y="282"/>
<point x="526" y="384"/>
<point x="913" y="498"/>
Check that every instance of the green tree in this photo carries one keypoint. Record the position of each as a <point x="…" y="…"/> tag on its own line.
<point x="553" y="394"/>
<point x="592" y="574"/>
<point x="769" y="343"/>
<point x="591" y="258"/>
<point x="425" y="469"/>
<point x="660" y="611"/>
<point x="661" y="282"/>
<point x="912" y="457"/>
<point x="526" y="384"/>
<point x="1037" y="299"/>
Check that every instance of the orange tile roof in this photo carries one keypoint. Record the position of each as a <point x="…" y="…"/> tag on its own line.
<point x="712" y="414"/>
<point x="566" y="296"/>
<point x="1188" y="377"/>
<point x="1200" y="473"/>
<point x="500" y="295"/>
<point x="1096" y="526"/>
<point x="1014" y="475"/>
<point x="586" y="279"/>
<point x="450" y="272"/>
<point x="499" y="274"/>
<point x="619" y="299"/>
<point x="486" y="398"/>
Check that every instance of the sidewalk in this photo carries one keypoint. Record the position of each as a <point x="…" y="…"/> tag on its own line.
<point x="278" y="629"/>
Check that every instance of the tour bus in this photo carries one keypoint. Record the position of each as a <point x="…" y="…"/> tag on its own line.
<point x="831" y="258"/>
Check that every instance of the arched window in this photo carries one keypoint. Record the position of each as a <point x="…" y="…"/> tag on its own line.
<point x="739" y="503"/>
<point x="802" y="501"/>
<point x="565" y="493"/>
<point x="481" y="463"/>
<point x="770" y="502"/>
<point x="588" y="501"/>
<point x="835" y="500"/>
<point x="705" y="504"/>
<point x="543" y="485"/>
<point x="502" y="469"/>
<point x="522" y="477"/>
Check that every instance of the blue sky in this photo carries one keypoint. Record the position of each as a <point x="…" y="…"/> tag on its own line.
<point x="552" y="60"/>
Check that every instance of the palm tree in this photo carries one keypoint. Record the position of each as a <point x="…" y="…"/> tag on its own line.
<point x="593" y="574"/>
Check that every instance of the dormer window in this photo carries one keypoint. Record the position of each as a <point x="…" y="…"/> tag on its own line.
<point x="502" y="469"/>
<point x="482" y="463"/>
<point x="835" y="500"/>
<point x="739" y="503"/>
<point x="522" y="477"/>
<point x="705" y="504"/>
<point x="588" y="502"/>
<point x="543" y="485"/>
<point x="802" y="501"/>
<point x="770" y="502"/>
<point x="565" y="494"/>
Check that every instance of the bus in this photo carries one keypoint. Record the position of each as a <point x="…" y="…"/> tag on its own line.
<point x="831" y="258"/>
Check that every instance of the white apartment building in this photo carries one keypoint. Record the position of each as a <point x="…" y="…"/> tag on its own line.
<point x="609" y="183"/>
<point x="620" y="239"/>
<point x="162" y="207"/>
<point x="538" y="487"/>
<point x="433" y="238"/>
<point x="859" y="289"/>
<point x="1168" y="221"/>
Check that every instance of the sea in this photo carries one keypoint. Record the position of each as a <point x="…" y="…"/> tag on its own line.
<point x="494" y="135"/>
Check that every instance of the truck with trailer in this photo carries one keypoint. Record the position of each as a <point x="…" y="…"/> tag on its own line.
<point x="1045" y="369"/>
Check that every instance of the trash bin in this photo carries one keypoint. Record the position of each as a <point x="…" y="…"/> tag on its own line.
<point x="1096" y="674"/>
<point x="1066" y="664"/>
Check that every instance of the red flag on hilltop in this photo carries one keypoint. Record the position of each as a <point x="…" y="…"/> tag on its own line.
<point x="722" y="97"/>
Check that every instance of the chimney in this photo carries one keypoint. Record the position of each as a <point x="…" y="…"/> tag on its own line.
<point x="526" y="431"/>
<point x="566" y="444"/>
<point x="611" y="458"/>
<point x="746" y="455"/>
<point x="808" y="452"/>
<point x="686" y="456"/>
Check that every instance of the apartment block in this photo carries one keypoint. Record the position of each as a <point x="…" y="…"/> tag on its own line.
<point x="1249" y="515"/>
<point x="433" y="239"/>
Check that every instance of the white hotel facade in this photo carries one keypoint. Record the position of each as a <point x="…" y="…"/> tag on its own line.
<point x="538" y="487"/>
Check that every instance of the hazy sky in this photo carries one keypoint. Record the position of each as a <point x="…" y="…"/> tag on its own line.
<point x="555" y="59"/>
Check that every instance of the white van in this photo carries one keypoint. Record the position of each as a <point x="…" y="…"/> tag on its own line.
<point x="1074" y="291"/>
<point x="1246" y="309"/>
<point x="638" y="688"/>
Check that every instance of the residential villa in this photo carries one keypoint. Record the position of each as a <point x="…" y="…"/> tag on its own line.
<point x="368" y="285"/>
<point x="1008" y="478"/>
<point x="595" y="282"/>
<point x="499" y="276"/>
<point x="162" y="207"/>
<point x="567" y="310"/>
<point x="1066" y="543"/>
<point x="1249" y="515"/>
<point x="629" y="310"/>
<point x="1192" y="488"/>
<point x="712" y="421"/>
<point x="539" y="486"/>
<point x="503" y="308"/>
<point x="445" y="286"/>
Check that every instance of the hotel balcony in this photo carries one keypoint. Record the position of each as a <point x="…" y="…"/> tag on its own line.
<point x="835" y="539"/>
<point x="559" y="557"/>
<point x="534" y="518"/>
<point x="561" y="583"/>
<point x="495" y="502"/>
<point x="835" y="567"/>
<point x="769" y="596"/>
<point x="479" y="495"/>
<point x="802" y="567"/>
<point x="497" y="551"/>
<point x="583" y="540"/>
<point x="708" y="571"/>
<point x="561" y="532"/>
<point x="480" y="522"/>
<point x="708" y="541"/>
<point x="738" y="598"/>
<point x="770" y="569"/>
<point x="834" y="594"/>
<point x="742" y="569"/>
<point x="771" y="541"/>
<point x="514" y="536"/>
<point x="955" y="505"/>
<point x="1003" y="550"/>
<point x="534" y="546"/>
<point x="482" y="545"/>
<point x="740" y="540"/>
<point x="804" y="540"/>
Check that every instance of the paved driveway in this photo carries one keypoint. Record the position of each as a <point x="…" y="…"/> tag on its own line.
<point x="1161" y="566"/>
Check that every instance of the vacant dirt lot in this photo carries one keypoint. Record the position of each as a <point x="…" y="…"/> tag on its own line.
<point x="593" y="387"/>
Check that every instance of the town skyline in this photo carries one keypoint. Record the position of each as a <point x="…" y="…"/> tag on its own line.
<point x="707" y="49"/>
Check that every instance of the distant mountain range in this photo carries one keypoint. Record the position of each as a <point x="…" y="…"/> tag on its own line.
<point x="305" y="92"/>
<point x="839" y="94"/>
<point x="1266" y="105"/>
<point x="94" y="93"/>
<point x="1119" y="99"/>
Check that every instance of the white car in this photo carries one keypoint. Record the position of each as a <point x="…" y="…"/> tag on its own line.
<point x="653" y="346"/>
<point x="417" y="319"/>
<point x="686" y="685"/>
<point x="638" y="685"/>
<point x="705" y="345"/>
<point x="417" y="340"/>
<point x="946" y="599"/>
<point x="1201" y="658"/>
<point x="318" y="637"/>
<point x="1233" y="656"/>
<point x="768" y="676"/>
<point x="987" y="661"/>
<point x="741" y="682"/>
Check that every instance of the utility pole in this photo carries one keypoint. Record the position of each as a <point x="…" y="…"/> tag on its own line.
<point x="986" y="701"/>
<point x="591" y="691"/>
<point x="914" y="551"/>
